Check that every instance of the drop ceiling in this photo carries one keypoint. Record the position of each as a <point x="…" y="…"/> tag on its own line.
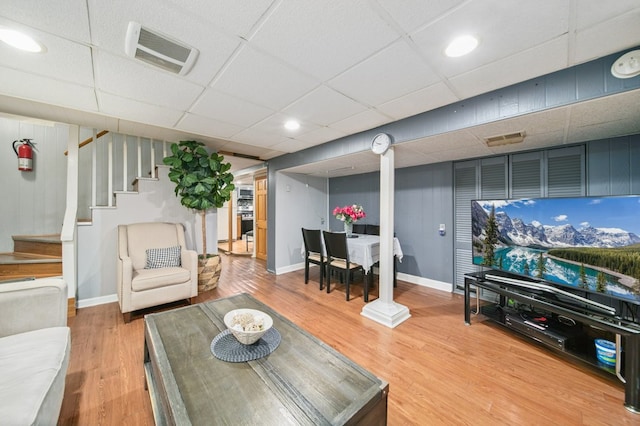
<point x="339" y="67"/>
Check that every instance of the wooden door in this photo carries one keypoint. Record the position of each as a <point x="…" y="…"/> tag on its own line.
<point x="260" y="213"/>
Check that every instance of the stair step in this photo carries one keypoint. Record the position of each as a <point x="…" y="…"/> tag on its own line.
<point x="25" y="265"/>
<point x="45" y="245"/>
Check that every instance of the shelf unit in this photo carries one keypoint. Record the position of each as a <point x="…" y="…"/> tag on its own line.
<point x="591" y="322"/>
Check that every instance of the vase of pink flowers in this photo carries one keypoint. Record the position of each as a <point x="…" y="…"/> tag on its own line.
<point x="348" y="215"/>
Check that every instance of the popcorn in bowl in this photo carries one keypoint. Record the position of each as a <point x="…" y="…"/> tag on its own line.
<point x="247" y="325"/>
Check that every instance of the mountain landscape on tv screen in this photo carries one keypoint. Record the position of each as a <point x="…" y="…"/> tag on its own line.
<point x="590" y="243"/>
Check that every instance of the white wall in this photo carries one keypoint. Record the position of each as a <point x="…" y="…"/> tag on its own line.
<point x="32" y="203"/>
<point x="155" y="202"/>
<point x="301" y="201"/>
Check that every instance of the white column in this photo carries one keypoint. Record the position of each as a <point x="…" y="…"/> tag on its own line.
<point x="68" y="236"/>
<point x="125" y="164"/>
<point x="110" y="171"/>
<point x="384" y="310"/>
<point x="139" y="158"/>
<point x="94" y="169"/>
<point x="152" y="154"/>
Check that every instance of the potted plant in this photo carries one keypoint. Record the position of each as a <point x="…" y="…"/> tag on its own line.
<point x="203" y="182"/>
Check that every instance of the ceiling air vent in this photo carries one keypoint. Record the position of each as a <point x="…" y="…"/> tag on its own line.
<point x="505" y="139"/>
<point x="158" y="50"/>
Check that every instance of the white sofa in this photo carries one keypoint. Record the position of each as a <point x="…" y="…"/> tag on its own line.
<point x="35" y="346"/>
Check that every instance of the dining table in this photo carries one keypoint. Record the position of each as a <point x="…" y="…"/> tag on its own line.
<point x="364" y="249"/>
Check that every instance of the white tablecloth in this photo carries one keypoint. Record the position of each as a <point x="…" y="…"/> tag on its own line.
<point x="365" y="250"/>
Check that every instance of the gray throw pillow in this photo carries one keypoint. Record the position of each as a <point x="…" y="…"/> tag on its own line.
<point x="163" y="257"/>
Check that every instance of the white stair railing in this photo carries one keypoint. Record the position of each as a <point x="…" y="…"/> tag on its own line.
<point x="110" y="165"/>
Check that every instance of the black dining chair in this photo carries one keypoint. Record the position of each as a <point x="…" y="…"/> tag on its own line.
<point x="359" y="228"/>
<point x="372" y="229"/>
<point x="313" y="252"/>
<point x="338" y="260"/>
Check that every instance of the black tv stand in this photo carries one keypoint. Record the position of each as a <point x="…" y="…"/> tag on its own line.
<point x="566" y="328"/>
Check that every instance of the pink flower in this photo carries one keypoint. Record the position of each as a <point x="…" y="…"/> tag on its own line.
<point x="350" y="213"/>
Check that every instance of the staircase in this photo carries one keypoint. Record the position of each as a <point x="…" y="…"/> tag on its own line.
<point x="33" y="256"/>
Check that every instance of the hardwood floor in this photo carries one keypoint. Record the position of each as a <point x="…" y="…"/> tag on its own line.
<point x="440" y="372"/>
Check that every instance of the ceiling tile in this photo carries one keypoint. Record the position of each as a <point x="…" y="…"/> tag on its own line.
<point x="340" y="34"/>
<point x="227" y="108"/>
<point x="426" y="99"/>
<point x="291" y="145"/>
<point x="137" y="111"/>
<point x="207" y="126"/>
<point x="64" y="60"/>
<point x="254" y="75"/>
<point x="362" y="121"/>
<point x="323" y="106"/>
<point x="519" y="67"/>
<point x="527" y="25"/>
<point x="135" y="80"/>
<point x="590" y="12"/>
<point x="65" y="18"/>
<point x="47" y="90"/>
<point x="413" y="14"/>
<point x="396" y="71"/>
<point x="320" y="135"/>
<point x="234" y="17"/>
<point x="258" y="137"/>
<point x="614" y="35"/>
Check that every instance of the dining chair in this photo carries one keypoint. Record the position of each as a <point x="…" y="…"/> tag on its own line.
<point x="372" y="229"/>
<point x="338" y="259"/>
<point x="313" y="252"/>
<point x="359" y="228"/>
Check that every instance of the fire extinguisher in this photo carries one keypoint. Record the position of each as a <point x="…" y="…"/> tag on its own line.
<point x="25" y="154"/>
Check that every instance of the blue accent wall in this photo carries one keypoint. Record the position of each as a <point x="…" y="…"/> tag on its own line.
<point x="423" y="201"/>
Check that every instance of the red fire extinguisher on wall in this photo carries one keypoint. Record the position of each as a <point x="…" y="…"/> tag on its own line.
<point x="25" y="154"/>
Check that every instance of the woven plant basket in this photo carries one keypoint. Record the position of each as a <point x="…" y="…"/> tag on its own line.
<point x="209" y="272"/>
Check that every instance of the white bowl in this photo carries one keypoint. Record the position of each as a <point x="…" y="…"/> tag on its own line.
<point x="247" y="337"/>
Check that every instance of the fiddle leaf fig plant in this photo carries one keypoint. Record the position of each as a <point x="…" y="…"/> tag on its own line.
<point x="202" y="181"/>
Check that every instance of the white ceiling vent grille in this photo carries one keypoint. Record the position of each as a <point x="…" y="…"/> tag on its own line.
<point x="508" y="139"/>
<point x="158" y="50"/>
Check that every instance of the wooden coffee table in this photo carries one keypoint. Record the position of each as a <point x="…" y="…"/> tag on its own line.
<point x="304" y="381"/>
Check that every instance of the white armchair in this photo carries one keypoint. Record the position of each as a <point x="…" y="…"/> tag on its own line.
<point x="154" y="266"/>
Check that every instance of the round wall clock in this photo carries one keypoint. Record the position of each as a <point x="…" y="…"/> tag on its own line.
<point x="380" y="143"/>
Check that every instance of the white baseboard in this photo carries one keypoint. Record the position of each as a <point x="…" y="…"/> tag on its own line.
<point x="426" y="282"/>
<point x="291" y="268"/>
<point x="95" y="301"/>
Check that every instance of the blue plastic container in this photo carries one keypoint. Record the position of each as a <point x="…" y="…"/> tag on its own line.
<point x="606" y="352"/>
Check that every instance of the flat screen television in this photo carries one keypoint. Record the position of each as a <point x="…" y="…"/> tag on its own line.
<point x="588" y="243"/>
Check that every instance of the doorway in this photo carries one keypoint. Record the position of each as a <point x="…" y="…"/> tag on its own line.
<point x="260" y="214"/>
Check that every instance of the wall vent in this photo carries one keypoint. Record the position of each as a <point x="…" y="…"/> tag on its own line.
<point x="158" y="50"/>
<point x="508" y="139"/>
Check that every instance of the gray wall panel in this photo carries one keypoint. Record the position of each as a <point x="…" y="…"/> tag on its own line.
<point x="619" y="166"/>
<point x="613" y="166"/>
<point x="598" y="168"/>
<point x="589" y="80"/>
<point x="634" y="161"/>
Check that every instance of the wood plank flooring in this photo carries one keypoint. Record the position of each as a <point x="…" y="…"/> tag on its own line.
<point x="440" y="372"/>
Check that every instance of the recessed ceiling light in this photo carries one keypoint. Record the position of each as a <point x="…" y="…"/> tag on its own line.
<point x="461" y="46"/>
<point x="292" y="125"/>
<point x="20" y="41"/>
